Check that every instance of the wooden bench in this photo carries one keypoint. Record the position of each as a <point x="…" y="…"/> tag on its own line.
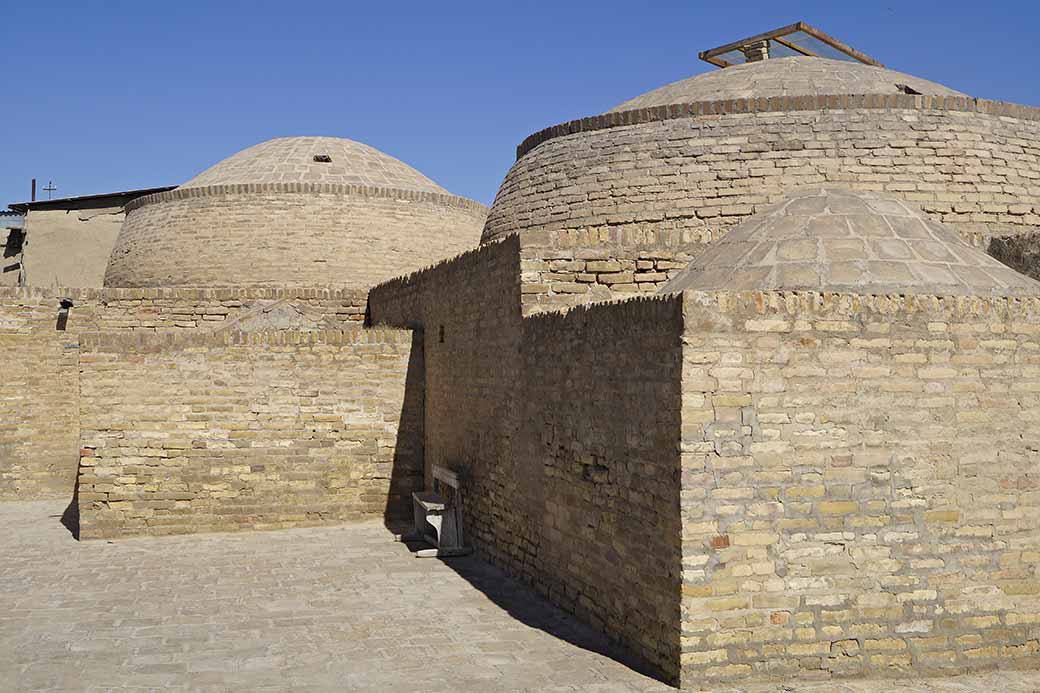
<point x="438" y="516"/>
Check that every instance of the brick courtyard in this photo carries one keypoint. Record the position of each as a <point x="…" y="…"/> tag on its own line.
<point x="325" y="609"/>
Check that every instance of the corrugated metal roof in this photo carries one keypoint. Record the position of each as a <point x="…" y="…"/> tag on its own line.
<point x="121" y="197"/>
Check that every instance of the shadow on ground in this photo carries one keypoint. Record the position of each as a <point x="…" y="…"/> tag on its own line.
<point x="534" y="611"/>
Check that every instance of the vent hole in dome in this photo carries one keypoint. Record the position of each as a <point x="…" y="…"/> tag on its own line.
<point x="323" y="158"/>
<point x="907" y="89"/>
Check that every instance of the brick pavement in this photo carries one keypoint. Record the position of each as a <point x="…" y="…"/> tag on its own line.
<point x="319" y="609"/>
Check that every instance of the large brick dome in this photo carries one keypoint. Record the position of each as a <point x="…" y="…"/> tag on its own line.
<point x="786" y="77"/>
<point x="653" y="182"/>
<point x="296" y="211"/>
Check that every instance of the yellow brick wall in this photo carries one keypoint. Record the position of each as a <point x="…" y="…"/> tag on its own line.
<point x="39" y="415"/>
<point x="193" y="433"/>
<point x="39" y="368"/>
<point x="860" y="484"/>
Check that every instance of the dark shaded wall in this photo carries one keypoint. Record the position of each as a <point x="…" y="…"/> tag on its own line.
<point x="599" y="444"/>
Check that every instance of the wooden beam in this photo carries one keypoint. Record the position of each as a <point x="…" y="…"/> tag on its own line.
<point x="836" y="44"/>
<point x="736" y="45"/>
<point x="795" y="47"/>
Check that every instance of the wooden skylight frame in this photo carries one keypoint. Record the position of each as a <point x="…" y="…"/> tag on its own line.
<point x="790" y="38"/>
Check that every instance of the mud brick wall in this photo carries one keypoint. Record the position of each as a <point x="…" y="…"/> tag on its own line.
<point x="39" y="373"/>
<point x="234" y="308"/>
<point x="861" y="485"/>
<point x="678" y="177"/>
<point x="599" y="456"/>
<point x="563" y="269"/>
<point x="233" y="431"/>
<point x="39" y="415"/>
<point x="27" y="310"/>
<point x="468" y="309"/>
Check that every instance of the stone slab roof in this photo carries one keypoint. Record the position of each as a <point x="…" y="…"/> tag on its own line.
<point x="845" y="241"/>
<point x="292" y="160"/>
<point x="802" y="76"/>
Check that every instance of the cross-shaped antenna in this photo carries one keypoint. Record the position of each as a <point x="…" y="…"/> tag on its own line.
<point x="50" y="188"/>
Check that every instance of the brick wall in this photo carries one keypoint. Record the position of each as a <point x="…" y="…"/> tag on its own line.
<point x="562" y="269"/>
<point x="39" y="370"/>
<point x="469" y="311"/>
<point x="569" y="461"/>
<point x="39" y="415"/>
<point x="598" y="453"/>
<point x="287" y="235"/>
<point x="861" y="485"/>
<point x="234" y="431"/>
<point x="683" y="177"/>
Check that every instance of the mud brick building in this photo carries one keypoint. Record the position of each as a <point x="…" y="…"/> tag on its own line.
<point x="744" y="372"/>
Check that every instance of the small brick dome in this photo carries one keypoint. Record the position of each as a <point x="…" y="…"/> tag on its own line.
<point x="326" y="160"/>
<point x="801" y="76"/>
<point x="845" y="241"/>
<point x="293" y="212"/>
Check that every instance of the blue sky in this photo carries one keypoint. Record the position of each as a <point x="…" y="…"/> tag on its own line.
<point x="112" y="95"/>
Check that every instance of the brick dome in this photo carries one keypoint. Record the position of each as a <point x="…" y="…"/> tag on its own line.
<point x="801" y="76"/>
<point x="844" y="241"/>
<point x="297" y="211"/>
<point x="325" y="160"/>
<point x="668" y="173"/>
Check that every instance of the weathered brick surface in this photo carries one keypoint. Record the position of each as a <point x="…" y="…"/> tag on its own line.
<point x="860" y="486"/>
<point x="287" y="235"/>
<point x="642" y="188"/>
<point x="39" y="370"/>
<point x="598" y="452"/>
<point x="246" y="431"/>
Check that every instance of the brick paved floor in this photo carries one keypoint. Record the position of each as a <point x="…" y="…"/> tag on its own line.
<point x="329" y="609"/>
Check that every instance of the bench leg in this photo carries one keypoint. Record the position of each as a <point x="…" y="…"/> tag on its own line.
<point x="444" y="553"/>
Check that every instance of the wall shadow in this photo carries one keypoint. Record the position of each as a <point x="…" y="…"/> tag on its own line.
<point x="407" y="469"/>
<point x="509" y="593"/>
<point x="1020" y="253"/>
<point x="70" y="516"/>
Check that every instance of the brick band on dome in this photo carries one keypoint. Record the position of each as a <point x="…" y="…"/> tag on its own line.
<point x="776" y="104"/>
<point x="313" y="188"/>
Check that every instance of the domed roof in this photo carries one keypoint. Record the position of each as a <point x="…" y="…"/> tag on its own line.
<point x="798" y="76"/>
<point x="845" y="241"/>
<point x="319" y="160"/>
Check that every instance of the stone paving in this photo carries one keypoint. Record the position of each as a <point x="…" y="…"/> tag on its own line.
<point x="323" y="609"/>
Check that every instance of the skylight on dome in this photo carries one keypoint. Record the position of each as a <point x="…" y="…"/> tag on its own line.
<point x="799" y="39"/>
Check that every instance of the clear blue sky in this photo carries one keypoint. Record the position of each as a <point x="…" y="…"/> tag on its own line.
<point x="110" y="95"/>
